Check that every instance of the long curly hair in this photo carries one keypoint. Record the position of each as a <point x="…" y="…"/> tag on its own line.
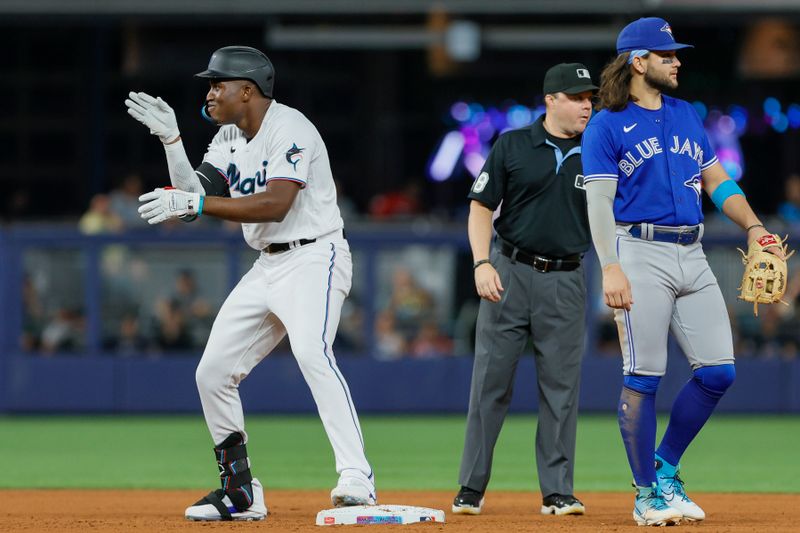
<point x="615" y="80"/>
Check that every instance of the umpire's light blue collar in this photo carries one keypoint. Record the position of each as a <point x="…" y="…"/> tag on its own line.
<point x="648" y="33"/>
<point x="539" y="138"/>
<point x="539" y="134"/>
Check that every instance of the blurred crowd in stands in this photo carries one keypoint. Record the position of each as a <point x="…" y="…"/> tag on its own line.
<point x="409" y="320"/>
<point x="178" y="322"/>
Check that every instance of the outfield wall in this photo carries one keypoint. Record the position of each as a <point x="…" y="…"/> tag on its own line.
<point x="102" y="385"/>
<point x="77" y="270"/>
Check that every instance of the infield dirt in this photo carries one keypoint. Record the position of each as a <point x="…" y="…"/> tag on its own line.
<point x="295" y="511"/>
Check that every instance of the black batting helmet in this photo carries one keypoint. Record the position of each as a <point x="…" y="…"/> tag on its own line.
<point x="241" y="63"/>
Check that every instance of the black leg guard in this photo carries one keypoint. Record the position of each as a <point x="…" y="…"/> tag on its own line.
<point x="234" y="471"/>
<point x="215" y="498"/>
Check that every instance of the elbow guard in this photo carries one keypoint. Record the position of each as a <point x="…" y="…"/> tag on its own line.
<point x="213" y="182"/>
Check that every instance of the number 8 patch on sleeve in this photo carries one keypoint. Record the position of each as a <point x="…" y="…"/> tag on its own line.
<point x="480" y="182"/>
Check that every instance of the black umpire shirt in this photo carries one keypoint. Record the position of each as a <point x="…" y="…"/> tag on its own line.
<point x="539" y="179"/>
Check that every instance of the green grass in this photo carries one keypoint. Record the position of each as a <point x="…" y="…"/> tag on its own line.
<point x="732" y="454"/>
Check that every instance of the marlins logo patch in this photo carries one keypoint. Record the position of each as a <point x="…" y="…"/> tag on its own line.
<point x="695" y="184"/>
<point x="294" y="155"/>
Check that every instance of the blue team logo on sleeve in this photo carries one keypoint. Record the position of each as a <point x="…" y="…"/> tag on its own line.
<point x="294" y="155"/>
<point x="695" y="183"/>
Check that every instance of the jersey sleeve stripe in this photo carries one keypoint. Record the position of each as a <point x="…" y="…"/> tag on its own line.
<point x="601" y="177"/>
<point x="704" y="166"/>
<point x="285" y="178"/>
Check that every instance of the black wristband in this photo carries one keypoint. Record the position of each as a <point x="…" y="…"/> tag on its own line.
<point x="479" y="263"/>
<point x="754" y="226"/>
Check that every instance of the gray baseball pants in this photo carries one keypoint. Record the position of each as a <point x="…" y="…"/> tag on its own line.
<point x="674" y="291"/>
<point x="547" y="308"/>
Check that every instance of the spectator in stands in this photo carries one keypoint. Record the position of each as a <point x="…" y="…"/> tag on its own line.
<point x="100" y="218"/>
<point x="64" y="332"/>
<point x="32" y="316"/>
<point x="607" y="340"/>
<point x="171" y="331"/>
<point x="464" y="328"/>
<point x="193" y="307"/>
<point x="350" y="335"/>
<point x="347" y="207"/>
<point x="125" y="201"/>
<point x="775" y="333"/>
<point x="772" y="338"/>
<point x="389" y="343"/>
<point x="788" y="316"/>
<point x="410" y="304"/>
<point x="789" y="210"/>
<point x="431" y="342"/>
<point x="130" y="340"/>
<point x="123" y="290"/>
<point x="401" y="204"/>
<point x="183" y="320"/>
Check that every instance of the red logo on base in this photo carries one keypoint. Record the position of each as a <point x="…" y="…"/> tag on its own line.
<point x="329" y="520"/>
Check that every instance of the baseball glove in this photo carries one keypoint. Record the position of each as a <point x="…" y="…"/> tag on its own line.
<point x="765" y="274"/>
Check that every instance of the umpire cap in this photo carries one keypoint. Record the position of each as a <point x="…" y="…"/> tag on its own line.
<point x="241" y="63"/>
<point x="568" y="78"/>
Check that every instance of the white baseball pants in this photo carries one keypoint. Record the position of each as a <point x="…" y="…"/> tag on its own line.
<point x="299" y="292"/>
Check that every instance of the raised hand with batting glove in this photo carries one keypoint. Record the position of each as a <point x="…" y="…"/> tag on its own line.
<point x="166" y="203"/>
<point x="154" y="113"/>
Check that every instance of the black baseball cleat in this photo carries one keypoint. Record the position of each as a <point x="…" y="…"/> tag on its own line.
<point x="560" y="504"/>
<point x="468" y="501"/>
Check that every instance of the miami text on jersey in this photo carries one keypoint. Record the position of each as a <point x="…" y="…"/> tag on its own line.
<point x="248" y="185"/>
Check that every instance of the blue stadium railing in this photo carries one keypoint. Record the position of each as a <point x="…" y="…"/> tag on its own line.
<point x="98" y="382"/>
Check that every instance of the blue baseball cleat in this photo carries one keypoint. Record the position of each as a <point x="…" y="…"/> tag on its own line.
<point x="671" y="486"/>
<point x="650" y="509"/>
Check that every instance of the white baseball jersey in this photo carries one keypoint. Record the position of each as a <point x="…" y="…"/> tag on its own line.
<point x="286" y="147"/>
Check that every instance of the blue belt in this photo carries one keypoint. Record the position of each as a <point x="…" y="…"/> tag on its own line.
<point x="677" y="235"/>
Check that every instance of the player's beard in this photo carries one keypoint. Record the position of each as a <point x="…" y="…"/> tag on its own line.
<point x="662" y="84"/>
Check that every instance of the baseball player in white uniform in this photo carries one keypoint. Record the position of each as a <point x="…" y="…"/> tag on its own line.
<point x="267" y="167"/>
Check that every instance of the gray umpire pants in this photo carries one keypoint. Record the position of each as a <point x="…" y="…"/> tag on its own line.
<point x="549" y="308"/>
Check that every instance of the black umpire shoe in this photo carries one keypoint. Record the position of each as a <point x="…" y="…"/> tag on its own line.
<point x="560" y="504"/>
<point x="468" y="501"/>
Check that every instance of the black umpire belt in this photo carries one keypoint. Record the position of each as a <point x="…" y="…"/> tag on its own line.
<point x="540" y="263"/>
<point x="673" y="234"/>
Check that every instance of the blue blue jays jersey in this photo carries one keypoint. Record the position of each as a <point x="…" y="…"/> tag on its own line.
<point x="656" y="158"/>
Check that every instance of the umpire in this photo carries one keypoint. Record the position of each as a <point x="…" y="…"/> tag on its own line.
<point x="532" y="286"/>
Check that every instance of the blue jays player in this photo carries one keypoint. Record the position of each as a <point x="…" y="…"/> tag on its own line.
<point x="646" y="159"/>
<point x="267" y="167"/>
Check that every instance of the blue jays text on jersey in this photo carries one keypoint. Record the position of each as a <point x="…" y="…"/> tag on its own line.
<point x="656" y="157"/>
